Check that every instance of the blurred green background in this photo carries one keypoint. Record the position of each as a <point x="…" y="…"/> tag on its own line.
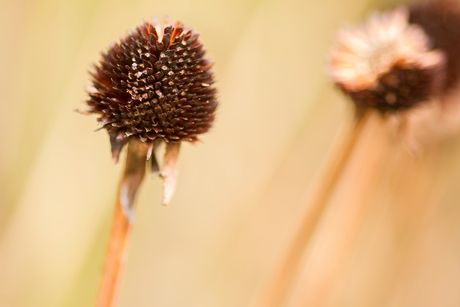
<point x="240" y="192"/>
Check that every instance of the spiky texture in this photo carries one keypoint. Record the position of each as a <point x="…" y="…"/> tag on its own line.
<point x="387" y="63"/>
<point x="154" y="85"/>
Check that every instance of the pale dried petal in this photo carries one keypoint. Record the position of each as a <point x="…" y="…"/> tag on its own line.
<point x="170" y="171"/>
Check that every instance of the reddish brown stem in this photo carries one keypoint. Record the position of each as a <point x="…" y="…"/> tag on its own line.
<point x="122" y="223"/>
<point x="279" y="283"/>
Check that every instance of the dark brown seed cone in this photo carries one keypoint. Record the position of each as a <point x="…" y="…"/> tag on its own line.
<point x="440" y="20"/>
<point x="154" y="87"/>
<point x="399" y="89"/>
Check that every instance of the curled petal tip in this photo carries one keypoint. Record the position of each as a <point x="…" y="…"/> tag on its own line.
<point x="116" y="145"/>
<point x="150" y="151"/>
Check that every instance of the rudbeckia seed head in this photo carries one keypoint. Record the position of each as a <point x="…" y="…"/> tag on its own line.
<point x="154" y="85"/>
<point x="387" y="63"/>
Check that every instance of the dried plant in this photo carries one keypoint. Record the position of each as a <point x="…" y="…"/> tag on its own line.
<point x="154" y="86"/>
<point x="393" y="64"/>
<point x="387" y="64"/>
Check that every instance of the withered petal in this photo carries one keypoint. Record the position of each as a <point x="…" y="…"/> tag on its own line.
<point x="116" y="145"/>
<point x="154" y="166"/>
<point x="170" y="171"/>
<point x="133" y="175"/>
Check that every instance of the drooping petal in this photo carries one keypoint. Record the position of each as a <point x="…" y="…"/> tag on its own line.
<point x="116" y="144"/>
<point x="133" y="175"/>
<point x="151" y="155"/>
<point x="170" y="171"/>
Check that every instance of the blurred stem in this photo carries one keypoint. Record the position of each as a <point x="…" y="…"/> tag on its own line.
<point x="124" y="207"/>
<point x="279" y="283"/>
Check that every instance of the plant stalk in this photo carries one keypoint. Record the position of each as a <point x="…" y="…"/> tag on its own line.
<point x="131" y="180"/>
<point x="282" y="278"/>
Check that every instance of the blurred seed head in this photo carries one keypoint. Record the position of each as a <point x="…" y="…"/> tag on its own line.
<point x="440" y="20"/>
<point x="387" y="63"/>
<point x="155" y="85"/>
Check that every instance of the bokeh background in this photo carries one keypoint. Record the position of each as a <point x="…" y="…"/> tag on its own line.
<point x="389" y="237"/>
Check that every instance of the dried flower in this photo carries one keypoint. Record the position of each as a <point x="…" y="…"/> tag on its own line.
<point x="387" y="63"/>
<point x="155" y="85"/>
<point x="440" y="20"/>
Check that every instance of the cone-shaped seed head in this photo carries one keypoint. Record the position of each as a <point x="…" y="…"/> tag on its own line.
<point x="154" y="85"/>
<point x="387" y="63"/>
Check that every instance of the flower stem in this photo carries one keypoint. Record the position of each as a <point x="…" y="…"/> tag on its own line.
<point x="122" y="223"/>
<point x="280" y="282"/>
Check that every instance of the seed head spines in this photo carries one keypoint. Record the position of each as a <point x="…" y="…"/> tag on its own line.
<point x="155" y="85"/>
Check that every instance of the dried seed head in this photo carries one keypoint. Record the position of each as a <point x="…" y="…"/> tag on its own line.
<point x="154" y="85"/>
<point x="440" y="20"/>
<point x="387" y="63"/>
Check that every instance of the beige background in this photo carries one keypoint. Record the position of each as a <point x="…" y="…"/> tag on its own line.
<point x="390" y="236"/>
